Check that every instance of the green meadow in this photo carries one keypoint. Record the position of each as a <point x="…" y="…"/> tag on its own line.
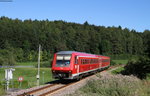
<point x="26" y="64"/>
<point x="120" y="61"/>
<point x="29" y="75"/>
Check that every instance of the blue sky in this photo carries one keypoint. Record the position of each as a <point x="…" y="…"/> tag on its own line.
<point x="133" y="14"/>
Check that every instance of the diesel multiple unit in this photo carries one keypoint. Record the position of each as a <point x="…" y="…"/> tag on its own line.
<point x="75" y="65"/>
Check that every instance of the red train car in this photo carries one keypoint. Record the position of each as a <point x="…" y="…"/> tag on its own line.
<point x="74" y="65"/>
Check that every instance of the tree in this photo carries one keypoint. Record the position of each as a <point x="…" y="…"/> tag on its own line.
<point x="146" y="40"/>
<point x="25" y="36"/>
<point x="139" y="68"/>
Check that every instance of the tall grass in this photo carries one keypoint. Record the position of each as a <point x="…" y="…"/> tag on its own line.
<point x="118" y="70"/>
<point x="120" y="61"/>
<point x="2" y="91"/>
<point x="26" y="64"/>
<point x="114" y="85"/>
<point x="29" y="75"/>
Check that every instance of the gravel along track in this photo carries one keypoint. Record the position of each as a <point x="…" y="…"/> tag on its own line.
<point x="30" y="90"/>
<point x="58" y="89"/>
<point x="48" y="90"/>
<point x="73" y="87"/>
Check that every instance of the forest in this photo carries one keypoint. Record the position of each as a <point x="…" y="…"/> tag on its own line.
<point x="19" y="40"/>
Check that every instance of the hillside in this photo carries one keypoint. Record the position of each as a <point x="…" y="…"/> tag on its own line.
<point x="20" y="39"/>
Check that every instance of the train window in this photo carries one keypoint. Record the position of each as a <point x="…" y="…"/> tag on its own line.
<point x="59" y="57"/>
<point x="105" y="60"/>
<point x="81" y="61"/>
<point x="76" y="60"/>
<point x="86" y="61"/>
<point x="90" y="61"/>
<point x="63" y="60"/>
<point x="67" y="57"/>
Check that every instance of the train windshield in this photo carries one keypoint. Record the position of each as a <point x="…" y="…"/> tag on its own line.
<point x="63" y="60"/>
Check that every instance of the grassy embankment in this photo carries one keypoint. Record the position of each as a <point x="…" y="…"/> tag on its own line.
<point x="115" y="85"/>
<point x="120" y="61"/>
<point x="26" y="64"/>
<point x="29" y="75"/>
<point x="118" y="70"/>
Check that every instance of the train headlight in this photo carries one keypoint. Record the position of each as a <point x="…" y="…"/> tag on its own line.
<point x="53" y="70"/>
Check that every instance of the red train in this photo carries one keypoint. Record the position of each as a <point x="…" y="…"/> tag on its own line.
<point x="74" y="65"/>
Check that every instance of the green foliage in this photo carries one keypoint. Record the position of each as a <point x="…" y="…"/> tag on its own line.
<point x="2" y="92"/>
<point x="148" y="77"/>
<point x="7" y="58"/>
<point x="118" y="70"/>
<point x="112" y="63"/>
<point x="26" y="63"/>
<point x="2" y="61"/>
<point x="118" y="62"/>
<point x="114" y="85"/>
<point x="25" y="36"/>
<point x="45" y="64"/>
<point x="29" y="75"/>
<point x="139" y="68"/>
<point x="146" y="36"/>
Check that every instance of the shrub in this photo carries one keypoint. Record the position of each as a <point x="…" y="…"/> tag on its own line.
<point x="139" y="68"/>
<point x="2" y="91"/>
<point x="118" y="70"/>
<point x="112" y="63"/>
<point x="1" y="61"/>
<point x="114" y="85"/>
<point x="7" y="58"/>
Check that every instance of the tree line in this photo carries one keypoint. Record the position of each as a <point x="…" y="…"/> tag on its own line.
<point x="19" y="39"/>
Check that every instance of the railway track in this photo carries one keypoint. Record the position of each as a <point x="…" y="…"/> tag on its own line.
<point x="49" y="89"/>
<point x="36" y="90"/>
<point x="52" y="88"/>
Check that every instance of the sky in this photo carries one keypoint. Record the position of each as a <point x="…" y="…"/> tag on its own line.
<point x="132" y="14"/>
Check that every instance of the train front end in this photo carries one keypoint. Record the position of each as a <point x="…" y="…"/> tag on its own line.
<point x="62" y="65"/>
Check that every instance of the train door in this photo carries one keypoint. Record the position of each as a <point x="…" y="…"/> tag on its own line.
<point x="100" y="62"/>
<point x="82" y="66"/>
<point x="76" y="66"/>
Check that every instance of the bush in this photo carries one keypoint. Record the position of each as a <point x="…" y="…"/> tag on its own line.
<point x="20" y="85"/>
<point x="139" y="68"/>
<point x="2" y="92"/>
<point x="7" y="58"/>
<point x="1" y="61"/>
<point x="114" y="85"/>
<point x="118" y="70"/>
<point x="112" y="63"/>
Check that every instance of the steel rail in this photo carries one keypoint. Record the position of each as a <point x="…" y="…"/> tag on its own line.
<point x="54" y="90"/>
<point x="36" y="90"/>
<point x="30" y="93"/>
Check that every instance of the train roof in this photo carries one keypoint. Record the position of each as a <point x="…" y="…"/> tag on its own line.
<point x="70" y="52"/>
<point x="65" y="52"/>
